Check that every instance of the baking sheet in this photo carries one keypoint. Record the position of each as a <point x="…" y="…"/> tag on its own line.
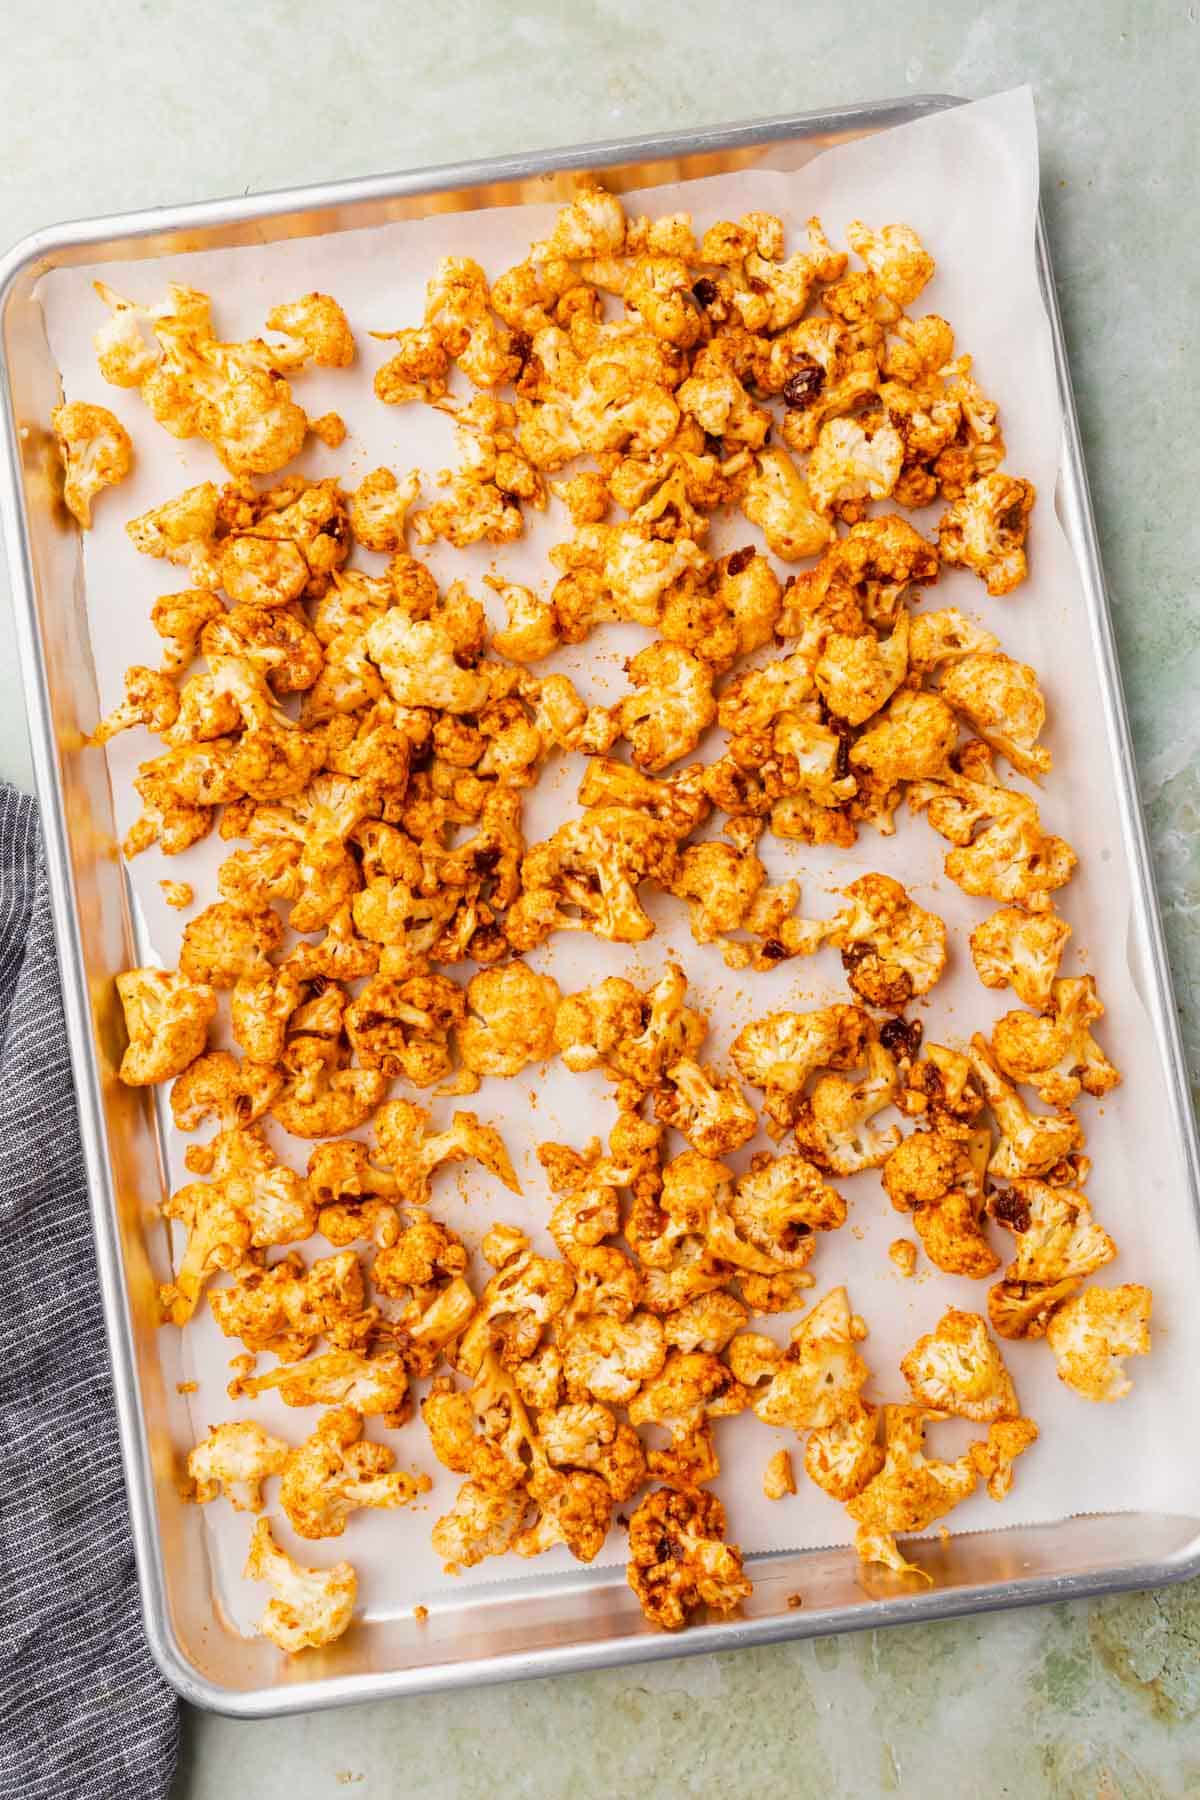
<point x="967" y="180"/>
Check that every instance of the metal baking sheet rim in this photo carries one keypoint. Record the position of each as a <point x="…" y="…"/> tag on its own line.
<point x="180" y="229"/>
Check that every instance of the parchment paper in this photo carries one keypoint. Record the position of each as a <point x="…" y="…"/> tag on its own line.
<point x="967" y="181"/>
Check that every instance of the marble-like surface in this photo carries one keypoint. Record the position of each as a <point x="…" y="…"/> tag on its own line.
<point x="166" y="101"/>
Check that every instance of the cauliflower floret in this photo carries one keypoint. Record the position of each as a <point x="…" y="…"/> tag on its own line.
<point x="818" y="1378"/>
<point x="574" y="1509"/>
<point x="1057" y="1238"/>
<point x="608" y="1358"/>
<point x="672" y="708"/>
<point x="310" y="1607"/>
<point x="1030" y="1143"/>
<point x="910" y="741"/>
<point x="586" y="877"/>
<point x="167" y="1017"/>
<point x="895" y="256"/>
<point x="733" y="616"/>
<point x="831" y="1126"/>
<point x="319" y="323"/>
<point x="910" y="1491"/>
<point x="777" y="500"/>
<point x="705" y="1323"/>
<point x="939" y="1087"/>
<point x="1055" y="1053"/>
<point x="96" y="454"/>
<point x="854" y="460"/>
<point x="482" y="1522"/>
<point x="510" y="1020"/>
<point x="935" y="1176"/>
<point x="843" y="1456"/>
<point x="857" y="675"/>
<point x="1020" y="950"/>
<point x="182" y="531"/>
<point x="1023" y="1309"/>
<point x="892" y="949"/>
<point x="235" y="1460"/>
<point x="778" y="1479"/>
<point x="532" y="631"/>
<point x="179" y="620"/>
<point x="403" y="1027"/>
<point x="1091" y="1333"/>
<point x="216" y="1085"/>
<point x="519" y="1302"/>
<point x="1006" y="1440"/>
<point x="780" y="1052"/>
<point x="985" y="529"/>
<point x="946" y="637"/>
<point x="373" y="1386"/>
<point x="593" y="224"/>
<point x="633" y="1036"/>
<point x="225" y="943"/>
<point x="434" y="661"/>
<point x="957" y="1369"/>
<point x="678" y="1560"/>
<point x="418" y="369"/>
<point x="780" y="1203"/>
<point x="720" y="884"/>
<point x="334" y="1472"/>
<point x="1000" y="699"/>
<point x="285" y="1309"/>
<point x="379" y="508"/>
<point x="711" y="1112"/>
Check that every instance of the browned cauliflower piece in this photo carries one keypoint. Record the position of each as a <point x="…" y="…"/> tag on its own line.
<point x="609" y="1358"/>
<point x="379" y="508"/>
<point x="1006" y="1440"/>
<point x="335" y="1471"/>
<point x="705" y="1323"/>
<point x="1055" y="1052"/>
<point x="532" y="629"/>
<point x="235" y="1460"/>
<point x="843" y="1456"/>
<point x="418" y="369"/>
<point x="780" y="1203"/>
<point x="586" y="877"/>
<point x="437" y="661"/>
<point x="1091" y="1333"/>
<point x="586" y="1435"/>
<point x="179" y="620"/>
<point x="1030" y="1143"/>
<point x="910" y="741"/>
<point x="317" y="322"/>
<point x="286" y="1308"/>
<point x="910" y="1490"/>
<point x="778" y="1479"/>
<point x="1020" y="950"/>
<point x="733" y="615"/>
<point x="895" y="256"/>
<point x="1002" y="702"/>
<point x="985" y="528"/>
<point x="226" y="942"/>
<point x="671" y="709"/>
<point x="940" y="1090"/>
<point x="1024" y="1309"/>
<point x="1057" y="1238"/>
<point x="310" y="1608"/>
<point x="404" y="1026"/>
<point x="831" y="1126"/>
<point x="678" y="1559"/>
<point x="710" y="1111"/>
<point x="167" y="1017"/>
<point x="858" y="673"/>
<point x="780" y="1052"/>
<point x="510" y="1020"/>
<point x="633" y="1036"/>
<point x="816" y="1380"/>
<point x="182" y="531"/>
<point x="373" y="1386"/>
<point x="778" y="501"/>
<point x="218" y="1086"/>
<point x="853" y="461"/>
<point x="935" y="1175"/>
<point x="892" y="949"/>
<point x="956" y="1368"/>
<point x="482" y="1522"/>
<point x="520" y="1301"/>
<point x="96" y="453"/>
<point x="947" y="636"/>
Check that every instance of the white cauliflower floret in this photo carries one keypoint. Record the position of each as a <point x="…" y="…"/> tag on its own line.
<point x="854" y="460"/>
<point x="334" y="1471"/>
<point x="1020" y="950"/>
<point x="957" y="1369"/>
<point x="946" y="637"/>
<point x="842" y="1457"/>
<point x="1092" y="1332"/>
<point x="672" y="708"/>
<point x="96" y="454"/>
<point x="182" y="531"/>
<point x="1057" y="1238"/>
<point x="895" y="256"/>
<point x="609" y="1359"/>
<point x="379" y="509"/>
<point x="1001" y="701"/>
<point x="593" y="224"/>
<point x="831" y="1126"/>
<point x="375" y="1386"/>
<point x="777" y="500"/>
<point x="857" y="674"/>
<point x="235" y="1460"/>
<point x="310" y="1607"/>
<point x="317" y="322"/>
<point x="422" y="662"/>
<point x="1054" y="1052"/>
<point x="985" y="528"/>
<point x="816" y="1380"/>
<point x="167" y="1017"/>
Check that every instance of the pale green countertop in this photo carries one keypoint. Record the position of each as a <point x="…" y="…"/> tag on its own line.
<point x="160" y="101"/>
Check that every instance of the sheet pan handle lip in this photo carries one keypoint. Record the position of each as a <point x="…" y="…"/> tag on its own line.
<point x="48" y="242"/>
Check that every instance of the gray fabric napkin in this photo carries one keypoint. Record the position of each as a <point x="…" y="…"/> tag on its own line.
<point x="84" y="1715"/>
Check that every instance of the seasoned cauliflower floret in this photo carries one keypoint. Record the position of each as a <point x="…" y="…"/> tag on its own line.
<point x="842" y="1457"/>
<point x="854" y="460"/>
<point x="510" y="1020"/>
<point x="910" y="741"/>
<point x="778" y="1477"/>
<point x="935" y="1176"/>
<point x="831" y="1126"/>
<point x="780" y="1052"/>
<point x="167" y="1017"/>
<point x="892" y="948"/>
<point x="1056" y="1235"/>
<point x="310" y="1607"/>
<point x="1055" y="1052"/>
<point x="335" y="1471"/>
<point x="1001" y="701"/>
<point x="895" y="256"/>
<point x="182" y="531"/>
<point x="225" y="942"/>
<point x="678" y="1559"/>
<point x="482" y="1522"/>
<point x="1020" y="950"/>
<point x="96" y="454"/>
<point x="373" y="1386"/>
<point x="1030" y="1143"/>
<point x="817" y="1379"/>
<point x="286" y="1308"/>
<point x="379" y="509"/>
<point x="1006" y="1440"/>
<point x="235" y="1460"/>
<point x="1091" y="1333"/>
<point x="910" y="1490"/>
<point x="957" y="1369"/>
<point x="586" y="877"/>
<point x="317" y="322"/>
<point x="780" y="1203"/>
<point x="984" y="530"/>
<point x="710" y="1112"/>
<point x="671" y="709"/>
<point x="777" y="500"/>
